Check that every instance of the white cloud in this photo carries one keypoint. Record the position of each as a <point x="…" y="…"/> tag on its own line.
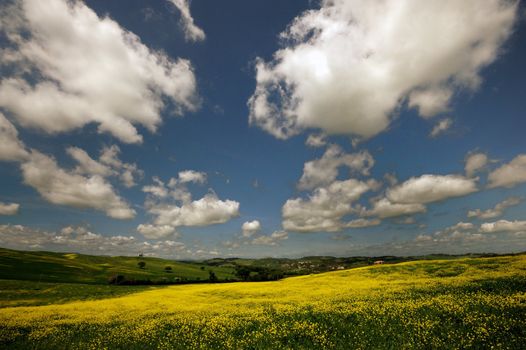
<point x="127" y="172"/>
<point x="458" y="233"/>
<point x="391" y="179"/>
<point x="191" y="31"/>
<point x="323" y="171"/>
<point x="503" y="226"/>
<point x="474" y="163"/>
<point x="172" y="205"/>
<point x="441" y="127"/>
<point x="85" y="69"/>
<point x="462" y="226"/>
<point x="155" y="232"/>
<point x="510" y="174"/>
<point x="192" y="176"/>
<point x="361" y="222"/>
<point x="349" y="66"/>
<point x="63" y="187"/>
<point x="9" y="208"/>
<point x="82" y="240"/>
<point x="12" y="148"/>
<point x="176" y="187"/>
<point x="86" y="164"/>
<point x="498" y="210"/>
<point x="464" y="235"/>
<point x="430" y="102"/>
<point x="206" y="211"/>
<point x="249" y="228"/>
<point x="272" y="239"/>
<point x="108" y="165"/>
<point x="316" y="140"/>
<point x="431" y="188"/>
<point x="158" y="190"/>
<point x="325" y="208"/>
<point x="384" y="208"/>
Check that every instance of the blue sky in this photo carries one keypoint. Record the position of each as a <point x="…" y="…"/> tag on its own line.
<point x="263" y="128"/>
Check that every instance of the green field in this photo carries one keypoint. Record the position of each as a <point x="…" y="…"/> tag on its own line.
<point x="469" y="303"/>
<point x="89" y="269"/>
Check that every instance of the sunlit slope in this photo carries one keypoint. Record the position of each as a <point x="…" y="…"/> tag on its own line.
<point x="429" y="304"/>
<point x="79" y="268"/>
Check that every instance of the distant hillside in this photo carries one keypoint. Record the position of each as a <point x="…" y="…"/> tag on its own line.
<point x="89" y="269"/>
<point x="80" y="268"/>
<point x="319" y="264"/>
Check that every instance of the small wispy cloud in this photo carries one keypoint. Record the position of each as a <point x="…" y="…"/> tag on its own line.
<point x="191" y="31"/>
<point x="441" y="127"/>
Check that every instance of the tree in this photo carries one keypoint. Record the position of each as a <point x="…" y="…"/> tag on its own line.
<point x="212" y="276"/>
<point x="243" y="272"/>
<point x="168" y="269"/>
<point x="141" y="264"/>
<point x="116" y="279"/>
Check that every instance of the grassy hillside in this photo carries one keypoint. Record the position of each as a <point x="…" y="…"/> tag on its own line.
<point x="78" y="268"/>
<point x="436" y="304"/>
<point x="31" y="293"/>
<point x="318" y="264"/>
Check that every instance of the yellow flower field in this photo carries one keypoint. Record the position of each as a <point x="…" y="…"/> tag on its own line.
<point x="467" y="303"/>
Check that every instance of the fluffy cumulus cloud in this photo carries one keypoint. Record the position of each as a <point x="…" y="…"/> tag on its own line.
<point x="464" y="235"/>
<point x="431" y="188"/>
<point x="69" y="67"/>
<point x="503" y="226"/>
<point x="324" y="210"/>
<point x="86" y="164"/>
<point x="83" y="187"/>
<point x="172" y="206"/>
<point x="156" y="232"/>
<point x="346" y="70"/>
<point x="9" y="208"/>
<point x="272" y="239"/>
<point x="80" y="239"/>
<point x="249" y="228"/>
<point x="384" y="208"/>
<point x="192" y="176"/>
<point x="441" y="127"/>
<point x="108" y="164"/>
<point x="316" y="140"/>
<point x="12" y="148"/>
<point x="461" y="232"/>
<point x="63" y="187"/>
<point x="191" y="31"/>
<point x="497" y="211"/>
<point x="205" y="211"/>
<point x="323" y="171"/>
<point x="510" y="174"/>
<point x="460" y="238"/>
<point x="474" y="163"/>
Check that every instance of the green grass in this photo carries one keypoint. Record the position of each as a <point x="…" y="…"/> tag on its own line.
<point x="87" y="269"/>
<point x="31" y="293"/>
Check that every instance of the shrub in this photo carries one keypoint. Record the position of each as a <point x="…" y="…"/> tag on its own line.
<point x="116" y="279"/>
<point x="212" y="276"/>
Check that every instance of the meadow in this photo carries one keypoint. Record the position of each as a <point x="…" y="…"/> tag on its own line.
<point x="474" y="303"/>
<point x="92" y="269"/>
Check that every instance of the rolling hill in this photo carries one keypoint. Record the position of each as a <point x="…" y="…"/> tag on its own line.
<point x="89" y="269"/>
